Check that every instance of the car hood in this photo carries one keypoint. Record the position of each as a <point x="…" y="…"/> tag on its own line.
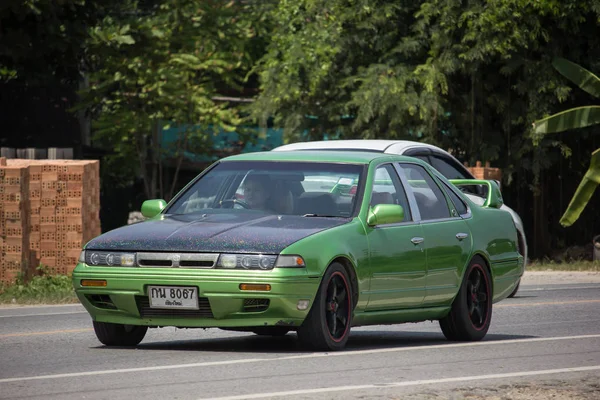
<point x="232" y="232"/>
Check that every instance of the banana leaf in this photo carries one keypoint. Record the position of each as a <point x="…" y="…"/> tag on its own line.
<point x="570" y="119"/>
<point x="584" y="192"/>
<point x="578" y="75"/>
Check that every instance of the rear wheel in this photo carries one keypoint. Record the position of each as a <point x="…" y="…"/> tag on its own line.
<point x="471" y="312"/>
<point x="118" y="334"/>
<point x="327" y="326"/>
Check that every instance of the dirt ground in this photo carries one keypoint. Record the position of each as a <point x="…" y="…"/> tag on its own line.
<point x="587" y="388"/>
<point x="559" y="277"/>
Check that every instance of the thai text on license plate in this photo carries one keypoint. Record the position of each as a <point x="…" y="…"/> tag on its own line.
<point x="173" y="297"/>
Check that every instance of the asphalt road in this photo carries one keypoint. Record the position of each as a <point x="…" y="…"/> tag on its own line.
<point x="547" y="332"/>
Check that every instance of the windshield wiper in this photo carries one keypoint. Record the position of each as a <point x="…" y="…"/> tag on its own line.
<point x="322" y="215"/>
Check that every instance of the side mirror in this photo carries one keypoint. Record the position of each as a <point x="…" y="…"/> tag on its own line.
<point x="385" y="214"/>
<point x="151" y="208"/>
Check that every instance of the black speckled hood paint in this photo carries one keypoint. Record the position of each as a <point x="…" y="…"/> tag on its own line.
<point x="239" y="232"/>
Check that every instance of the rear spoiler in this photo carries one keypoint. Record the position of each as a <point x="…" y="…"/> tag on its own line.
<point x="494" y="196"/>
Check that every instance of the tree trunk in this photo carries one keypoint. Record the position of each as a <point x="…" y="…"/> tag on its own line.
<point x="472" y="149"/>
<point x="154" y="150"/>
<point x="180" y="155"/>
<point x="160" y="160"/>
<point x="140" y="143"/>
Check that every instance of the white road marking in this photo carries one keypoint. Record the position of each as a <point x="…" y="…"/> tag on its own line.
<point x="20" y="307"/>
<point x="408" y="383"/>
<point x="303" y="356"/>
<point x="570" y="322"/>
<point x="42" y="314"/>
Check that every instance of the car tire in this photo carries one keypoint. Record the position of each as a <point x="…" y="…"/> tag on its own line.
<point x="271" y="331"/>
<point x="514" y="292"/>
<point x="327" y="326"/>
<point x="118" y="334"/>
<point x="471" y="312"/>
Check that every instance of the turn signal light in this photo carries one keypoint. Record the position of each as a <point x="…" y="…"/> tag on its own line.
<point x="93" y="282"/>
<point x="255" y="287"/>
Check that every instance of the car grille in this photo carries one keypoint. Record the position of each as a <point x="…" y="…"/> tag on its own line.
<point x="177" y="260"/>
<point x="143" y="304"/>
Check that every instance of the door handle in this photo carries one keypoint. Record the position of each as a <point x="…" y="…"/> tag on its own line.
<point x="461" y="236"/>
<point x="417" y="240"/>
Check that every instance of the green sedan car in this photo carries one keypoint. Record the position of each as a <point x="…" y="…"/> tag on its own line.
<point x="309" y="241"/>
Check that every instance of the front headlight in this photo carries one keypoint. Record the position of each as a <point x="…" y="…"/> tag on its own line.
<point x="108" y="259"/>
<point x="246" y="261"/>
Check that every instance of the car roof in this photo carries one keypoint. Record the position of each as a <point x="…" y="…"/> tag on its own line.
<point x="351" y="157"/>
<point x="382" y="146"/>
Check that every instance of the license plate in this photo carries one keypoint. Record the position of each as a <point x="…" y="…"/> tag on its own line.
<point x="173" y="297"/>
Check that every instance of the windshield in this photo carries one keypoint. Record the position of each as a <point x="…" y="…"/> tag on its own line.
<point x="292" y="188"/>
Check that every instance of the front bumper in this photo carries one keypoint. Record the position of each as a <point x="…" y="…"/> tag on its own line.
<point x="124" y="299"/>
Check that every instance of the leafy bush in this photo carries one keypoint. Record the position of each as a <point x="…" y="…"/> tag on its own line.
<point x="42" y="289"/>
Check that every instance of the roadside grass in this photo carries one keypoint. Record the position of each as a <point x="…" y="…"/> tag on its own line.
<point x="44" y="289"/>
<point x="58" y="289"/>
<point x="549" y="265"/>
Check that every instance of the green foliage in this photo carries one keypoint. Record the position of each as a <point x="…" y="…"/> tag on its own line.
<point x="573" y="119"/>
<point x="164" y="64"/>
<point x="41" y="289"/>
<point x="42" y="41"/>
<point x="584" y="192"/>
<point x="470" y="76"/>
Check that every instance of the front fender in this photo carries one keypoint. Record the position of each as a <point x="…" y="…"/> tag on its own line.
<point x="347" y="241"/>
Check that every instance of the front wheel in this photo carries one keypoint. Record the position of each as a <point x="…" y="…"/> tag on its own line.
<point x="471" y="312"/>
<point x="118" y="334"/>
<point x="327" y="326"/>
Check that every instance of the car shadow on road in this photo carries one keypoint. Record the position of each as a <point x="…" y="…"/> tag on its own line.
<point x="288" y="344"/>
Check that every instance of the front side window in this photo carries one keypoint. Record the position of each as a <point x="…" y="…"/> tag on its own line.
<point x="387" y="189"/>
<point x="292" y="188"/>
<point x="429" y="197"/>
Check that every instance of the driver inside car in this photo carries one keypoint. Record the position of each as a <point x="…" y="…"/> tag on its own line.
<point x="256" y="191"/>
<point x="262" y="193"/>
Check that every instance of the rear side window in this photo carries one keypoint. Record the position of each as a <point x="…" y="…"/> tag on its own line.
<point x="460" y="205"/>
<point x="429" y="197"/>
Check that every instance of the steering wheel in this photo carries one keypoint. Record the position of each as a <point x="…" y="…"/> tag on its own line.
<point x="233" y="202"/>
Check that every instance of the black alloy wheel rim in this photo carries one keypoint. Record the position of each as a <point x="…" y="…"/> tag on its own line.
<point x="478" y="298"/>
<point x="337" y="307"/>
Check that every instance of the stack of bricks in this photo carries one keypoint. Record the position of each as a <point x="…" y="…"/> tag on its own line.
<point x="486" y="172"/>
<point x="60" y="212"/>
<point x="14" y="221"/>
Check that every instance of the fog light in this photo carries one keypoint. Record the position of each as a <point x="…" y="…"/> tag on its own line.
<point x="303" y="304"/>
<point x="92" y="282"/>
<point x="255" y="286"/>
<point x="127" y="260"/>
<point x="228" y="261"/>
